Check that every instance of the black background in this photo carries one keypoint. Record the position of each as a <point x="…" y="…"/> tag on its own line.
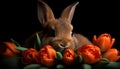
<point x="19" y="18"/>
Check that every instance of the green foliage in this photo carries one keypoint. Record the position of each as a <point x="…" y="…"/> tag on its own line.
<point x="59" y="56"/>
<point x="101" y="64"/>
<point x="32" y="66"/>
<point x="113" y="65"/>
<point x="86" y="66"/>
<point x="79" y="58"/>
<point x="18" y="46"/>
<point x="37" y="44"/>
<point x="60" y="66"/>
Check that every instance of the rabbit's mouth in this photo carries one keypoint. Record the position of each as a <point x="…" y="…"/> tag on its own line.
<point x="59" y="47"/>
<point x="62" y="47"/>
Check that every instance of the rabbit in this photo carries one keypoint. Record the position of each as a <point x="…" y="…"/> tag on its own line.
<point x="57" y="32"/>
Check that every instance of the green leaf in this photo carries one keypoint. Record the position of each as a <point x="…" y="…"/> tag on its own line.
<point x="15" y="42"/>
<point x="37" y="44"/>
<point x="18" y="46"/>
<point x="105" y="60"/>
<point x="32" y="66"/>
<point x="60" y="66"/>
<point x="21" y="48"/>
<point x="44" y="68"/>
<point x="11" y="63"/>
<point x="113" y="65"/>
<point x="86" y="66"/>
<point x="101" y="64"/>
<point x="59" y="56"/>
<point x="79" y="58"/>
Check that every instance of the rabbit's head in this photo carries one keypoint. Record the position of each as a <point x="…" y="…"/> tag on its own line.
<point x="58" y="30"/>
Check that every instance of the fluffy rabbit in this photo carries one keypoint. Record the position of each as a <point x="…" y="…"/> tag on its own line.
<point x="57" y="32"/>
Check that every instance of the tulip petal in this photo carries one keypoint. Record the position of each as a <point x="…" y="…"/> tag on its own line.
<point x="104" y="41"/>
<point x="94" y="39"/>
<point x="90" y="53"/>
<point x="112" y="42"/>
<point x="8" y="49"/>
<point x="29" y="56"/>
<point x="111" y="54"/>
<point x="68" y="56"/>
<point x="47" y="55"/>
<point x="11" y="47"/>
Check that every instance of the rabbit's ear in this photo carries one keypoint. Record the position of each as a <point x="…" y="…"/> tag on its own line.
<point x="44" y="12"/>
<point x="69" y="11"/>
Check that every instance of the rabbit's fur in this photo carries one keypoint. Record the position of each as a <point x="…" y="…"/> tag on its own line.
<point x="57" y="32"/>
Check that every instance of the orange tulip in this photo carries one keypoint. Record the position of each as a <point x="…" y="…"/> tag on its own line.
<point x="7" y="50"/>
<point x="29" y="56"/>
<point x="47" y="55"/>
<point x="104" y="41"/>
<point x="68" y="56"/>
<point x="90" y="53"/>
<point x="112" y="54"/>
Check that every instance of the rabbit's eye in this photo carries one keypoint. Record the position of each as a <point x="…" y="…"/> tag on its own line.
<point x="52" y="33"/>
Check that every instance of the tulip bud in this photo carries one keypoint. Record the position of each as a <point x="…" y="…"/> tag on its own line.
<point x="104" y="41"/>
<point x="68" y="56"/>
<point x="8" y="49"/>
<point x="46" y="55"/>
<point x="29" y="56"/>
<point x="90" y="53"/>
<point x="112" y="55"/>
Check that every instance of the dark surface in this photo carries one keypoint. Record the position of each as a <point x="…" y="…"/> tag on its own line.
<point x="19" y="18"/>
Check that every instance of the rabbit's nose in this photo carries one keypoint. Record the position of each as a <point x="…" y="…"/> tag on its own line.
<point x="62" y="45"/>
